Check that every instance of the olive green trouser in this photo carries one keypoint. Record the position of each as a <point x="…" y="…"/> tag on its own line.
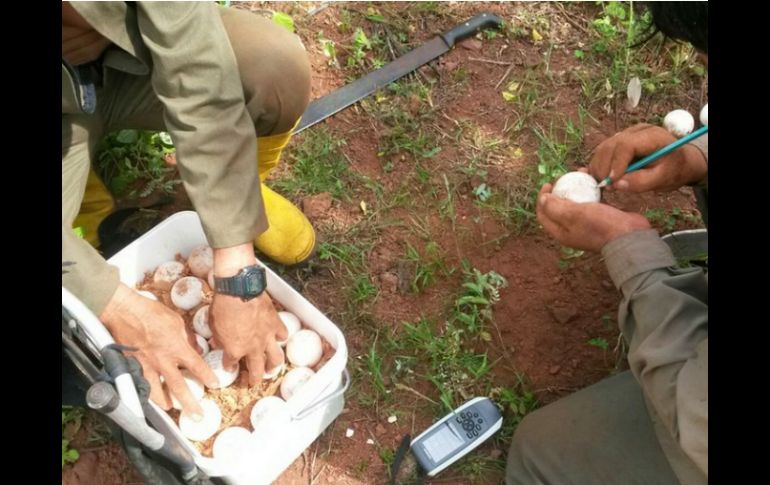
<point x="602" y="434"/>
<point x="275" y="73"/>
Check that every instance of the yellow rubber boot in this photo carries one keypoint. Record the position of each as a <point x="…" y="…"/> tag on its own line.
<point x="97" y="204"/>
<point x="290" y="238"/>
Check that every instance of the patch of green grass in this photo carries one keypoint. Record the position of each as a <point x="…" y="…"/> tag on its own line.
<point x="133" y="163"/>
<point x="527" y="99"/>
<point x="554" y="152"/>
<point x="317" y="165"/>
<point x="350" y="259"/>
<point x="403" y="109"/>
<point x="444" y="353"/>
<point x="362" y="290"/>
<point x="425" y="268"/>
<point x="515" y="205"/>
<point x="374" y="371"/>
<point x="616" y="56"/>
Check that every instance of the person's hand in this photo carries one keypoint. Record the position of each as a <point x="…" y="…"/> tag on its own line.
<point x="247" y="329"/>
<point x="685" y="165"/>
<point x="82" y="47"/>
<point x="163" y="343"/>
<point x="584" y="226"/>
<point x="80" y="43"/>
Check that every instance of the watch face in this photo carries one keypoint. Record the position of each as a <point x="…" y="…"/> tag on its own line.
<point x="255" y="282"/>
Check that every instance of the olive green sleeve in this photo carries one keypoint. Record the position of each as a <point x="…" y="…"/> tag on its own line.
<point x="89" y="277"/>
<point x="195" y="76"/>
<point x="664" y="318"/>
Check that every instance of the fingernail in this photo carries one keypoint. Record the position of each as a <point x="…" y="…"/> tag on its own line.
<point x="543" y="199"/>
<point x="622" y="185"/>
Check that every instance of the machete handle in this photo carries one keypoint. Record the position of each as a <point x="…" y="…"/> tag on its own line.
<point x="470" y="27"/>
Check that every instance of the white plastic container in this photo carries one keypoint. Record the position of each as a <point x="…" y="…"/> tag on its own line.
<point x="312" y="408"/>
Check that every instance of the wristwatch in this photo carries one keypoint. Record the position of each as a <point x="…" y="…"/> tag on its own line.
<point x="249" y="283"/>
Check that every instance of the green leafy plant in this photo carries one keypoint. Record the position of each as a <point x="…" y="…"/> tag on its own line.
<point x="71" y="418"/>
<point x="328" y="48"/>
<point x="133" y="163"/>
<point x="361" y="44"/>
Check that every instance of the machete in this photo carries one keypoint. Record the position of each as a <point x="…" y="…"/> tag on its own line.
<point x="343" y="97"/>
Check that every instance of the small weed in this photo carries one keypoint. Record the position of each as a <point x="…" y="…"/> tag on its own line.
<point x="374" y="365"/>
<point x="599" y="342"/>
<point x="483" y="192"/>
<point x="515" y="402"/>
<point x="387" y="455"/>
<point x="361" y="45"/>
<point x="329" y="50"/>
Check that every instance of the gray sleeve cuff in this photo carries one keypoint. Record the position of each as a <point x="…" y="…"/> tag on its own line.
<point x="702" y="144"/>
<point x="636" y="253"/>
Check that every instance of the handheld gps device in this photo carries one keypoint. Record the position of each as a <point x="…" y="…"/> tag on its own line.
<point x="456" y="434"/>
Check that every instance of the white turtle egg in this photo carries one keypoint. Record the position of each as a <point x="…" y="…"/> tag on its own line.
<point x="206" y="427"/>
<point x="578" y="187"/>
<point x="679" y="123"/>
<point x="304" y="348"/>
<point x="295" y="379"/>
<point x="187" y="293"/>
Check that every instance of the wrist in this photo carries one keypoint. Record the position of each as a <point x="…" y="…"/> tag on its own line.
<point x="115" y="306"/>
<point x="229" y="261"/>
<point x="633" y="223"/>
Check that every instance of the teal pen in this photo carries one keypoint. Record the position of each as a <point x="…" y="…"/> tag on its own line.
<point x="660" y="153"/>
